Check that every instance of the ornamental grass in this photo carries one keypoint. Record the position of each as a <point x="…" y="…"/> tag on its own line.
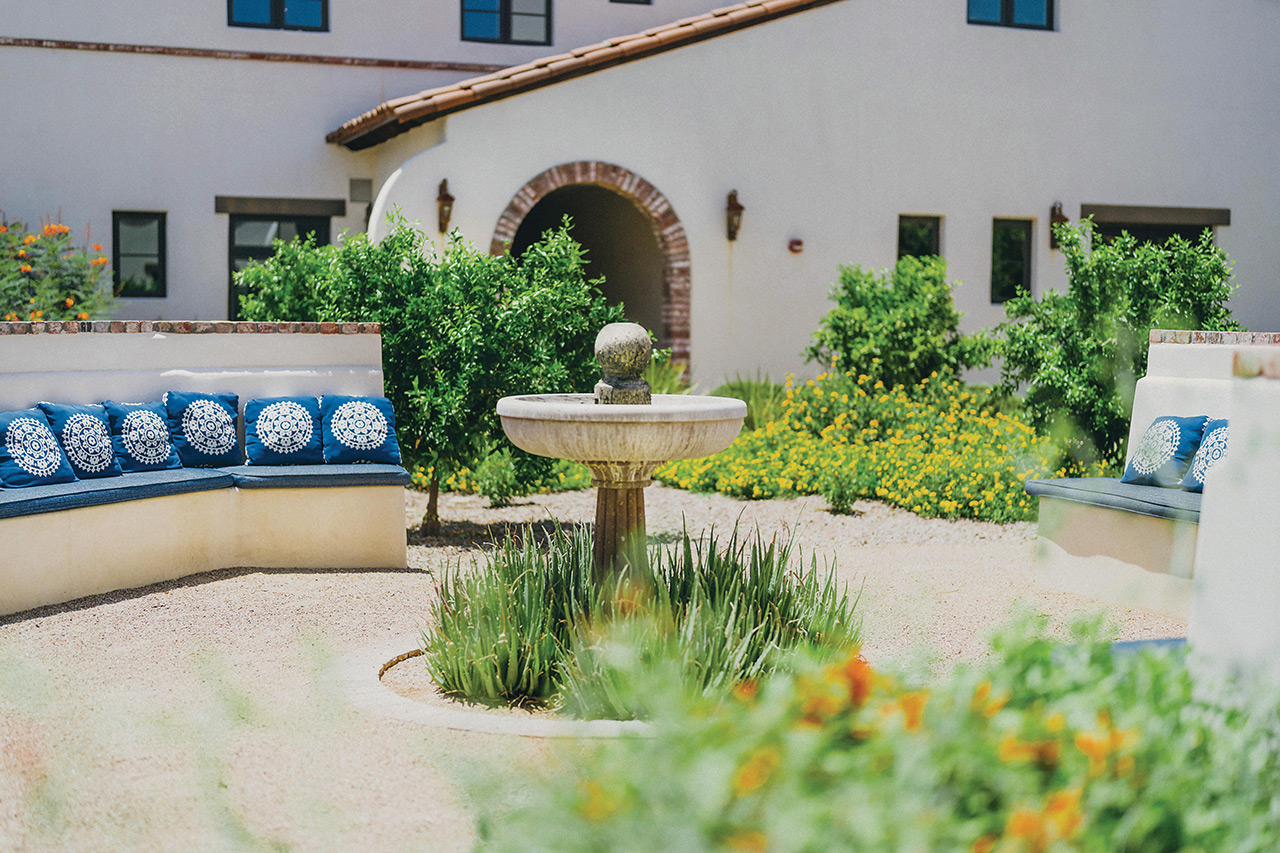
<point x="532" y="625"/>
<point x="938" y="449"/>
<point x="1043" y="747"/>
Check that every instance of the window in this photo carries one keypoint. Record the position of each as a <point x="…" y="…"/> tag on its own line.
<point x="137" y="243"/>
<point x="1153" y="224"/>
<point x="1010" y="258"/>
<point x="507" y="21"/>
<point x="279" y="14"/>
<point x="1032" y="14"/>
<point x="919" y="235"/>
<point x="251" y="238"/>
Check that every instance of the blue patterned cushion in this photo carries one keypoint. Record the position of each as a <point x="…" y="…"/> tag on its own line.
<point x="204" y="428"/>
<point x="359" y="429"/>
<point x="283" y="431"/>
<point x="29" y="452"/>
<point x="1212" y="450"/>
<point x="140" y="435"/>
<point x="85" y="435"/>
<point x="1165" y="451"/>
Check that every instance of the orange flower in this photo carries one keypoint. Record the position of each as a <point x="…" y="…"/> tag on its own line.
<point x="29" y="239"/>
<point x="912" y="705"/>
<point x="1062" y="810"/>
<point x="748" y="841"/>
<point x="4" y="229"/>
<point x="1096" y="749"/>
<point x="857" y="674"/>
<point x="83" y="315"/>
<point x="756" y="770"/>
<point x="983" y="703"/>
<point x="97" y="247"/>
<point x="98" y="261"/>
<point x="985" y="844"/>
<point x="25" y="268"/>
<point x="22" y="253"/>
<point x="1024" y="823"/>
<point x="69" y="302"/>
<point x="745" y="691"/>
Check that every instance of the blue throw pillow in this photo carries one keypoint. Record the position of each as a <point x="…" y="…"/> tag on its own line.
<point x="203" y="427"/>
<point x="1162" y="457"/>
<point x="283" y="431"/>
<point x="85" y="435"/>
<point x="359" y="429"/>
<point x="29" y="453"/>
<point x="140" y="435"/>
<point x="1212" y="450"/>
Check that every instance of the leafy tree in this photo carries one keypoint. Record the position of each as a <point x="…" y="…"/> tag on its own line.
<point x="1078" y="355"/>
<point x="898" y="327"/>
<point x="459" y="331"/>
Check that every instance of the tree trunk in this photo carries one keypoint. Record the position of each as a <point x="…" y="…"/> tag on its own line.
<point x="431" y="520"/>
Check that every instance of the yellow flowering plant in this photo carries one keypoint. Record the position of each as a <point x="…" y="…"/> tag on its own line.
<point x="938" y="449"/>
<point x="45" y="276"/>
<point x="1041" y="747"/>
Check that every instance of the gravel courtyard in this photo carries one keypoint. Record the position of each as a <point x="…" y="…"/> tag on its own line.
<point x="197" y="715"/>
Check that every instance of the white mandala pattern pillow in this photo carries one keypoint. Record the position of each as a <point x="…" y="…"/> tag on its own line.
<point x="1212" y="450"/>
<point x="285" y="427"/>
<point x="283" y="431"/>
<point x="29" y="452"/>
<point x="359" y="425"/>
<point x="140" y="435"/>
<point x="1164" y="452"/>
<point x="359" y="429"/>
<point x="87" y="441"/>
<point x="210" y="428"/>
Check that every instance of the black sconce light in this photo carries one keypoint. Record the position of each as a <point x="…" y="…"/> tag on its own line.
<point x="444" y="207"/>
<point x="732" y="215"/>
<point x="1056" y="217"/>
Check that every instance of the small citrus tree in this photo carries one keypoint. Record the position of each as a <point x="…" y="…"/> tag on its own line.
<point x="44" y="276"/>
<point x="459" y="330"/>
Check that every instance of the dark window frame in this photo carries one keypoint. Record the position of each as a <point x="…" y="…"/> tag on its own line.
<point x="277" y="21"/>
<point x="934" y="221"/>
<point x="504" y="14"/>
<point x="302" y="222"/>
<point x="1027" y="258"/>
<point x="1006" y="17"/>
<point x="161" y="218"/>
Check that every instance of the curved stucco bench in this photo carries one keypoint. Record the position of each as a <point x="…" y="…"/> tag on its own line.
<point x="67" y="541"/>
<point x="1136" y="545"/>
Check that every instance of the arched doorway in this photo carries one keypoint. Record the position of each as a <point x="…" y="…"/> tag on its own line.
<point x="632" y="237"/>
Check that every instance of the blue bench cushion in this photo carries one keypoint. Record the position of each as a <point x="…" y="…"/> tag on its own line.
<point x="129" y="487"/>
<point x="1109" y="492"/>
<point x="317" y="476"/>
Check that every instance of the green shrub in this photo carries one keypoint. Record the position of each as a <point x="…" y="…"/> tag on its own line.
<point x="1043" y="747"/>
<point x="666" y="376"/>
<point x="44" y="276"/>
<point x="762" y="396"/>
<point x="937" y="449"/>
<point x="533" y="624"/>
<point x="1077" y="355"/>
<point x="459" y="331"/>
<point x="897" y="327"/>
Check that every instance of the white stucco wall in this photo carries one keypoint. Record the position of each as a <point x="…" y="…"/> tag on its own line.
<point x="832" y="122"/>
<point x="96" y="131"/>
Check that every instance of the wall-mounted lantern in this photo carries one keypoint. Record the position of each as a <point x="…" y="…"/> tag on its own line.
<point x="1056" y="217"/>
<point x="444" y="207"/>
<point x="732" y="215"/>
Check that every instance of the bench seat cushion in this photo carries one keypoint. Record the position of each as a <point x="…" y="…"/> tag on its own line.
<point x="1109" y="492"/>
<point x="316" y="476"/>
<point x="133" y="486"/>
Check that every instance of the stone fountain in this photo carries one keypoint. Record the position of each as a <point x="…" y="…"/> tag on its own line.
<point x="622" y="433"/>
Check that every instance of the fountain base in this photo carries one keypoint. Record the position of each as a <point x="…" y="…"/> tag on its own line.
<point x="620" y="539"/>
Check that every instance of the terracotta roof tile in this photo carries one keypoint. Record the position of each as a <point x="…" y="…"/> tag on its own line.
<point x="401" y="114"/>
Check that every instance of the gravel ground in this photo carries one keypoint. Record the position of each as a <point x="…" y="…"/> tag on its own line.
<point x="193" y="714"/>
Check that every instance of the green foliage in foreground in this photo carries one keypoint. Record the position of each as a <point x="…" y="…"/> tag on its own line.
<point x="532" y="625"/>
<point x="938" y="449"/>
<point x="898" y="327"/>
<point x="1044" y="747"/>
<point x="1078" y="355"/>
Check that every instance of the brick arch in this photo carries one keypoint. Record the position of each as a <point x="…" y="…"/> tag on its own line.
<point x="667" y="229"/>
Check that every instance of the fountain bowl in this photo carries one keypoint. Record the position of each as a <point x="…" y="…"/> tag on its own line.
<point x="574" y="426"/>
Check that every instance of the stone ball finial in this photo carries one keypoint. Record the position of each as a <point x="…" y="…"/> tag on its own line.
<point x="623" y="351"/>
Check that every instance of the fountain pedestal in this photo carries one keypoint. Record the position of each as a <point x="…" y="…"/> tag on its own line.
<point x="623" y="442"/>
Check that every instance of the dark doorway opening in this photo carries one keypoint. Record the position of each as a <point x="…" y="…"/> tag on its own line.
<point x="619" y="244"/>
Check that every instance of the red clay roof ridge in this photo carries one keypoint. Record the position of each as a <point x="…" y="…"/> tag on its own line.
<point x="398" y="115"/>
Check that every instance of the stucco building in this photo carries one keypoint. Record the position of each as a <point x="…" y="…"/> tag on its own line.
<point x="850" y="131"/>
